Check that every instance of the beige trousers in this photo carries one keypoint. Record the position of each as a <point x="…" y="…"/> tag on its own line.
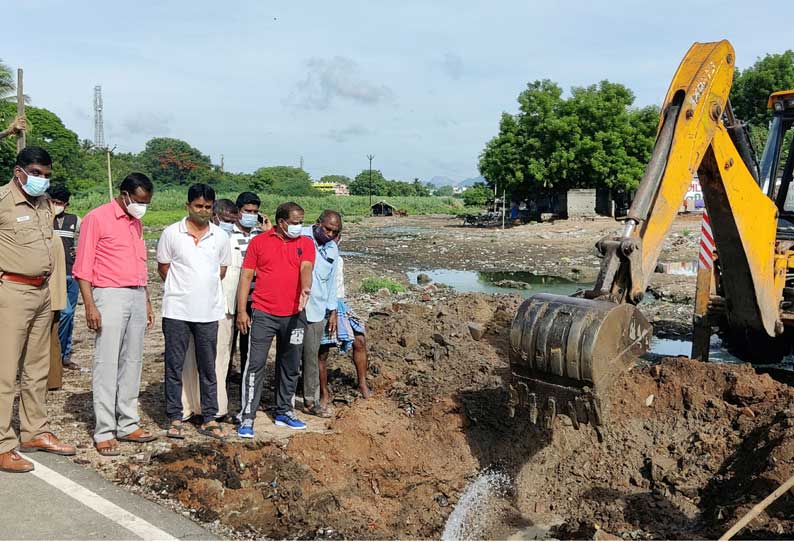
<point x="25" y="327"/>
<point x="191" y="395"/>
<point x="55" y="376"/>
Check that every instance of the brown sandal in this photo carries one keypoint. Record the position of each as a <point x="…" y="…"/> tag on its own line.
<point x="140" y="435"/>
<point x="108" y="448"/>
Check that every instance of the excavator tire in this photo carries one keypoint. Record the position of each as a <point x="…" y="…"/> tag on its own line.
<point x="566" y="352"/>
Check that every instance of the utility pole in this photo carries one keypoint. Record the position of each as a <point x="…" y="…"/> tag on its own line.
<point x="301" y="162"/>
<point x="20" y="110"/>
<point x="504" y="199"/>
<point x="110" y="178"/>
<point x="370" y="157"/>
<point x="221" y="163"/>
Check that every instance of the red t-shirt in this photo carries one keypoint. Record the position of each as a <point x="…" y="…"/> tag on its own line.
<point x="277" y="264"/>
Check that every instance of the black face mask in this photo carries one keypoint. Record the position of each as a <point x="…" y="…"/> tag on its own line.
<point x="320" y="235"/>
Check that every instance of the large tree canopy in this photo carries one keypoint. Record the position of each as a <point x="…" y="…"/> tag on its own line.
<point x="173" y="161"/>
<point x="752" y="87"/>
<point x="594" y="138"/>
<point x="44" y="130"/>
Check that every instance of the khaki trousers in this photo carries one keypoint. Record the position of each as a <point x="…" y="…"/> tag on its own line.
<point x="55" y="375"/>
<point x="25" y="327"/>
<point x="191" y="395"/>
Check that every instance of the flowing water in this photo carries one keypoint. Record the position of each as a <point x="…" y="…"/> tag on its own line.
<point x="476" y="510"/>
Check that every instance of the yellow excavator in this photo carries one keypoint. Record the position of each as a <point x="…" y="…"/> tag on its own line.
<point x="566" y="352"/>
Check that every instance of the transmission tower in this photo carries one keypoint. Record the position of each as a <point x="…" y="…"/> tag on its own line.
<point x="99" y="128"/>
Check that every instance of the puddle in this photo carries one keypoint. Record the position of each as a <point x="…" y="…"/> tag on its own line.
<point x="688" y="269"/>
<point x="717" y="352"/>
<point x="500" y="282"/>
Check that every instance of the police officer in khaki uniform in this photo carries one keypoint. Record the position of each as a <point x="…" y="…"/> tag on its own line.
<point x="26" y="263"/>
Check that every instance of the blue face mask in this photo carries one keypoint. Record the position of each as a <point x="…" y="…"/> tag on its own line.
<point x="228" y="227"/>
<point x="249" y="220"/>
<point x="36" y="186"/>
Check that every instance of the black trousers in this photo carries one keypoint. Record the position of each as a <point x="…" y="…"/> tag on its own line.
<point x="242" y="341"/>
<point x="177" y="338"/>
<point x="288" y="332"/>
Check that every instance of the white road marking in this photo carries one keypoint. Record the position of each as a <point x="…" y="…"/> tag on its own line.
<point x="115" y="513"/>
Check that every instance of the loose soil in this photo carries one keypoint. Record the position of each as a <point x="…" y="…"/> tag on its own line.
<point x="689" y="447"/>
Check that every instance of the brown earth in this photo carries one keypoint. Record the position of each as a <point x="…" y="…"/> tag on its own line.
<point x="714" y="440"/>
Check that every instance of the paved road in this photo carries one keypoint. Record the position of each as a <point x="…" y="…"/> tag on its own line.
<point x="63" y="501"/>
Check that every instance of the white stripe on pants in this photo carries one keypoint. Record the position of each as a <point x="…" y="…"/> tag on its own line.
<point x="191" y="395"/>
<point x="118" y="360"/>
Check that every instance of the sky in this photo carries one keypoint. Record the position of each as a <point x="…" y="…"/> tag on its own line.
<point x="419" y="84"/>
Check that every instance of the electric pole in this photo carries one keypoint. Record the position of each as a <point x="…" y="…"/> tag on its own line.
<point x="20" y="110"/>
<point x="370" y="157"/>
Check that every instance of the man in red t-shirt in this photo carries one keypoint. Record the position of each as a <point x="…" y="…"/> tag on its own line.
<point x="282" y="259"/>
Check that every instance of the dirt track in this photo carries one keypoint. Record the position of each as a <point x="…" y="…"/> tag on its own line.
<point x="714" y="440"/>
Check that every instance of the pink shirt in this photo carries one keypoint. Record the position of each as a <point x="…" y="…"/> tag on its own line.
<point x="111" y="252"/>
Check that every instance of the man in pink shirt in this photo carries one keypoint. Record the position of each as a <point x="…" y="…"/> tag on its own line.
<point x="111" y="270"/>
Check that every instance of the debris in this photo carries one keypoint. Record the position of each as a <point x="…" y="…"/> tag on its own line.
<point x="476" y="330"/>
<point x="649" y="400"/>
<point x="423" y="278"/>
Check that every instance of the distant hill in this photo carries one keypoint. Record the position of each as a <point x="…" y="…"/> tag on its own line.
<point x="446" y="181"/>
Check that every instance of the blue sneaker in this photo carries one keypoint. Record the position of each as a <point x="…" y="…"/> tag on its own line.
<point x="290" y="420"/>
<point x="246" y="429"/>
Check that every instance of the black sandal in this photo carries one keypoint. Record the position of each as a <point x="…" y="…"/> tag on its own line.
<point x="176" y="430"/>
<point x="210" y="429"/>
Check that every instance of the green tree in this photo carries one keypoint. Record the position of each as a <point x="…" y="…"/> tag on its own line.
<point x="477" y="195"/>
<point x="444" y="191"/>
<point x="173" y="161"/>
<point x="592" y="139"/>
<point x="285" y="180"/>
<point x="752" y="87"/>
<point x="360" y="186"/>
<point x="45" y="130"/>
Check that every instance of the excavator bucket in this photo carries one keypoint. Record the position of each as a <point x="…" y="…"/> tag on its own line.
<point x="566" y="352"/>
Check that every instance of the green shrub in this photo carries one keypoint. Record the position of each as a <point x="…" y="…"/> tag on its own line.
<point x="371" y="285"/>
<point x="168" y="205"/>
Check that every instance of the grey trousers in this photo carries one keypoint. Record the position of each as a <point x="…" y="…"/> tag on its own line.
<point x="118" y="361"/>
<point x="311" y="367"/>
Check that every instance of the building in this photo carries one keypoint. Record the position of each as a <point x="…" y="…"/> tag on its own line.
<point x="338" y="189"/>
<point x="382" y="208"/>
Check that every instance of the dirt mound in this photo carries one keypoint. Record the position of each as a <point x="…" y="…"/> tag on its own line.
<point x="689" y="447"/>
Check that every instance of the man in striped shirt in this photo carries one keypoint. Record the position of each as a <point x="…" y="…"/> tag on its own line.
<point x="250" y="222"/>
<point x="66" y="226"/>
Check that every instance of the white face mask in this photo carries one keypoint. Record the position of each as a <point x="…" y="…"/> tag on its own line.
<point x="226" y="226"/>
<point x="294" y="230"/>
<point x="58" y="209"/>
<point x="135" y="210"/>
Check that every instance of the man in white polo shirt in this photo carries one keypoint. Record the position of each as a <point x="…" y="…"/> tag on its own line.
<point x="192" y="257"/>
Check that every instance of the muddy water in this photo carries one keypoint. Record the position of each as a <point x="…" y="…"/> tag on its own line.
<point x="496" y="282"/>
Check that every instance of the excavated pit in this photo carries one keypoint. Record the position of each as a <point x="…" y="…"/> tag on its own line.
<point x="688" y="449"/>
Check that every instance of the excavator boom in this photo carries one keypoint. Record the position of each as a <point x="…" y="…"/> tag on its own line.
<point x="567" y="352"/>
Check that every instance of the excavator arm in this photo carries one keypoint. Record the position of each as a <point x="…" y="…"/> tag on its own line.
<point x="567" y="352"/>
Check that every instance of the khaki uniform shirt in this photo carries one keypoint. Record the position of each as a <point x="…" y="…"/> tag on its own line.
<point x="26" y="246"/>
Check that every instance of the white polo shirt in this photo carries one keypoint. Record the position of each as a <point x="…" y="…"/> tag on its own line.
<point x="192" y="290"/>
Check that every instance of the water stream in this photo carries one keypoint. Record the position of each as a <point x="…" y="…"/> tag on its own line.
<point x="476" y="510"/>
